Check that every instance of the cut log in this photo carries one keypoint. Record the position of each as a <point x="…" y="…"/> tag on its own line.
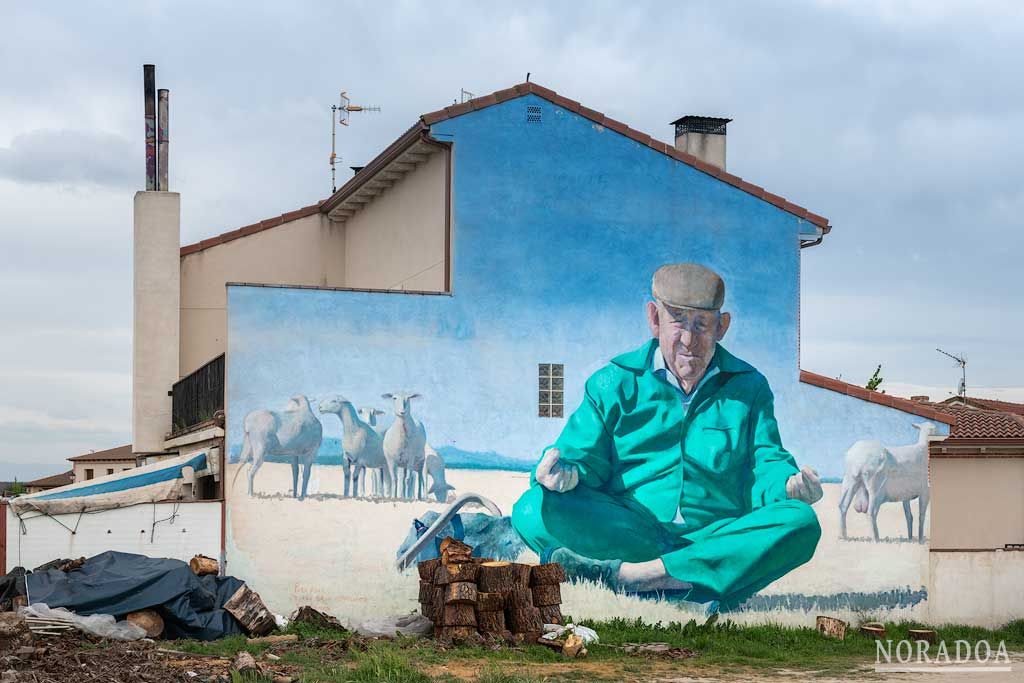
<point x="460" y="593"/>
<point x="426" y="568"/>
<point x="524" y="619"/>
<point x="547" y="574"/>
<point x="551" y="614"/>
<point x="454" y="573"/>
<point x="426" y="592"/>
<point x="245" y="663"/>
<point x="457" y="634"/>
<point x="459" y="615"/>
<point x="522" y="574"/>
<point x="427" y="610"/>
<point x="490" y="602"/>
<point x="925" y="634"/>
<point x="201" y="565"/>
<point x="496" y="577"/>
<point x="549" y="594"/>
<point x="574" y="646"/>
<point x="830" y="627"/>
<point x="148" y="620"/>
<point x="490" y="622"/>
<point x="248" y="609"/>
<point x="454" y="552"/>
<point x="873" y="629"/>
<point x="273" y="640"/>
<point x="518" y="598"/>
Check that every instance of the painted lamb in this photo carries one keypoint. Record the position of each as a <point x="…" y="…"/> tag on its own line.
<point x="404" y="444"/>
<point x="433" y="467"/>
<point x="294" y="431"/>
<point x="362" y="448"/>
<point x="877" y="474"/>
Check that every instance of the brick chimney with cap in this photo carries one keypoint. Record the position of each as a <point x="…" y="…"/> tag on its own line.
<point x="703" y="137"/>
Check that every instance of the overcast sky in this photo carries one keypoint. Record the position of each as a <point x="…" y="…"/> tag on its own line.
<point x="903" y="123"/>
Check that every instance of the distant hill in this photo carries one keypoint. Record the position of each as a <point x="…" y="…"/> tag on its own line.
<point x="454" y="458"/>
<point x="22" y="471"/>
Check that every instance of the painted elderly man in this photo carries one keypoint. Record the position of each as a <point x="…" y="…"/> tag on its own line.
<point x="671" y="475"/>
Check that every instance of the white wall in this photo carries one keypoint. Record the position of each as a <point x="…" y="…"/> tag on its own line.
<point x="194" y="529"/>
<point x="977" y="588"/>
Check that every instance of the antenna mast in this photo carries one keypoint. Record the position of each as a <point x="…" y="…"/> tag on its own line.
<point x="962" y="362"/>
<point x="343" y="109"/>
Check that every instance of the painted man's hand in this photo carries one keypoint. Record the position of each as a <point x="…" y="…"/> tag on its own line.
<point x="804" y="485"/>
<point x="554" y="475"/>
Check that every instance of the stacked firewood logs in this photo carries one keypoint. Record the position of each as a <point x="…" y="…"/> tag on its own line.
<point x="465" y="596"/>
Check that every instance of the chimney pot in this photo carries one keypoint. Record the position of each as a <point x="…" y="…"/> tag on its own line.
<point x="703" y="137"/>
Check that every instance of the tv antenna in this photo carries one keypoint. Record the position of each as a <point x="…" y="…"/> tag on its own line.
<point x="962" y="362"/>
<point x="342" y="110"/>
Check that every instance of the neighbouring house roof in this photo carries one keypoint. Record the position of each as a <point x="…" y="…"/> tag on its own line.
<point x="986" y="404"/>
<point x="417" y="137"/>
<point x="976" y="423"/>
<point x="53" y="481"/>
<point x="919" y="408"/>
<point x="120" y="453"/>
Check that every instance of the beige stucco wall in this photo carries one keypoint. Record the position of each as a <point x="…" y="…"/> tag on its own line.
<point x="976" y="503"/>
<point x="398" y="240"/>
<point x="977" y="588"/>
<point x="307" y="251"/>
<point x="99" y="469"/>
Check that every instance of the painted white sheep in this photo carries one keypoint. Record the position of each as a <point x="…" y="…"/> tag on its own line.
<point x="876" y="474"/>
<point x="404" y="443"/>
<point x="369" y="416"/>
<point x="433" y="467"/>
<point x="362" y="448"/>
<point x="294" y="431"/>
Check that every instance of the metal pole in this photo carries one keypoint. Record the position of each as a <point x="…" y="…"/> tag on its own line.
<point x="334" y="126"/>
<point x="149" y="91"/>
<point x="163" y="138"/>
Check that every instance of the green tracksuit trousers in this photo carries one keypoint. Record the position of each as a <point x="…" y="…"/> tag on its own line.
<point x="727" y="559"/>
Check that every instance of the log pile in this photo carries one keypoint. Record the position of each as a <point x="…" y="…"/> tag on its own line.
<point x="467" y="597"/>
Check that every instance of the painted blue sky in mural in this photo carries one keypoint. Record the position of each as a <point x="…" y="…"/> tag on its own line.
<point x="555" y="245"/>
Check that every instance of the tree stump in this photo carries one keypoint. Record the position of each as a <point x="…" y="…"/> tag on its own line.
<point x="148" y="620"/>
<point x="490" y="602"/>
<point x="426" y="592"/>
<point x="830" y="627"/>
<point x="248" y="609"/>
<point x="524" y="620"/>
<point x="490" y="622"/>
<point x="457" y="634"/>
<point x="550" y="574"/>
<point x="496" y="577"/>
<point x="522" y="574"/>
<point x="462" y="592"/>
<point x="545" y="595"/>
<point x="551" y="614"/>
<point x="459" y="615"/>
<point x="202" y="565"/>
<point x="426" y="568"/>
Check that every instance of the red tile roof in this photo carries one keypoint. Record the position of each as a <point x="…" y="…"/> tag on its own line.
<point x="918" y="408"/>
<point x="53" y="481"/>
<point x="120" y="453"/>
<point x="521" y="90"/>
<point x="988" y="404"/>
<point x="976" y="423"/>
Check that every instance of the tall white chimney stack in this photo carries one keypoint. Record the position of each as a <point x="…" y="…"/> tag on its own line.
<point x="703" y="137"/>
<point x="156" y="292"/>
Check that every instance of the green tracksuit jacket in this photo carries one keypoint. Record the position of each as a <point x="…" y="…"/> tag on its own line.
<point x="642" y="461"/>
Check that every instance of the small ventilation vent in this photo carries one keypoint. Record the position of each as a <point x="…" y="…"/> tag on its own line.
<point x="532" y="114"/>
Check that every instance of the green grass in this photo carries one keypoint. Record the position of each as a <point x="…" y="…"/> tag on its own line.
<point x="725" y="645"/>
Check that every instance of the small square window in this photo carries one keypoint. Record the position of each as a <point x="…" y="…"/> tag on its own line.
<point x="550" y="385"/>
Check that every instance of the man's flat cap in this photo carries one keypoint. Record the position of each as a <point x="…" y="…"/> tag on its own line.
<point x="688" y="285"/>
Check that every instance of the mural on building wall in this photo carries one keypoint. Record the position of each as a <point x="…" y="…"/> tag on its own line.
<point x="395" y="424"/>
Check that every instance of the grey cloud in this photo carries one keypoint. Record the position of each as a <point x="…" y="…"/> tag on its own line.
<point x="69" y="156"/>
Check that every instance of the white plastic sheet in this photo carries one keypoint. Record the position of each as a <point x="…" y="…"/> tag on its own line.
<point x="415" y="625"/>
<point x="102" y="625"/>
<point x="554" y="631"/>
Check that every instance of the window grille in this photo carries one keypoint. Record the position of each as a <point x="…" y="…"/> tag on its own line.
<point x="550" y="390"/>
